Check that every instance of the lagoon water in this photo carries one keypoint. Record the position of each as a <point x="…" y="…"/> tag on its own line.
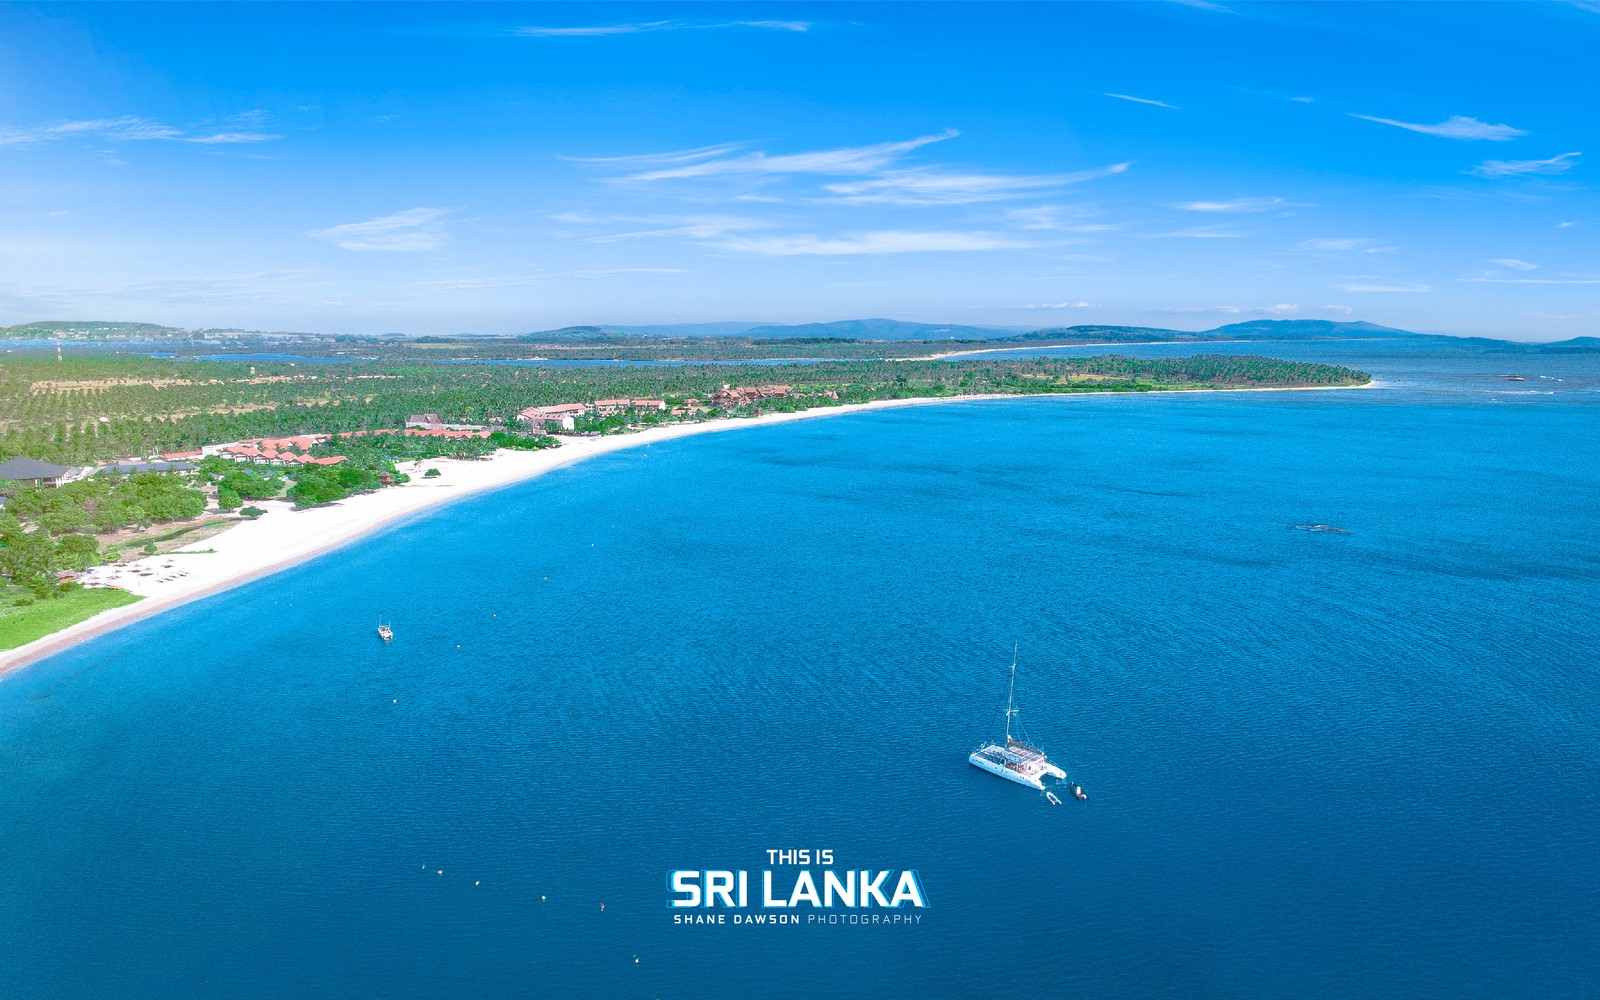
<point x="1320" y="764"/>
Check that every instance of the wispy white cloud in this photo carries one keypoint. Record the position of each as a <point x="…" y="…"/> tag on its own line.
<point x="1057" y="305"/>
<point x="700" y="227"/>
<point x="1363" y="287"/>
<point x="1199" y="233"/>
<point x="1345" y="245"/>
<point x="842" y="161"/>
<point x="937" y="187"/>
<point x="881" y="242"/>
<point x="217" y="138"/>
<point x="1565" y="225"/>
<point x="412" y="231"/>
<point x="1342" y="310"/>
<point x="592" y="30"/>
<point x="1303" y="100"/>
<point x="694" y="155"/>
<point x="639" y="27"/>
<point x="1516" y="168"/>
<point x="774" y="25"/>
<point x="1059" y="218"/>
<point x="1514" y="264"/>
<point x="1144" y="100"/>
<point x="1454" y="127"/>
<point x="1236" y="205"/>
<point x="129" y="128"/>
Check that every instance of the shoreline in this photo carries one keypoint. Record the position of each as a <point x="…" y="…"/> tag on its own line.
<point x="284" y="537"/>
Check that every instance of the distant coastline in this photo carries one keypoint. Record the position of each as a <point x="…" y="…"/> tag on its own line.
<point x="286" y="537"/>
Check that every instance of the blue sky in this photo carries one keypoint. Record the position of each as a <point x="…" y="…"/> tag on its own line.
<point x="503" y="168"/>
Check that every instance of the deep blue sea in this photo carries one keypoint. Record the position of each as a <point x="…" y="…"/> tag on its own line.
<point x="1320" y="764"/>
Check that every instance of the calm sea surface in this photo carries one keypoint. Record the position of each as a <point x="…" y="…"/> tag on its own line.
<point x="1320" y="764"/>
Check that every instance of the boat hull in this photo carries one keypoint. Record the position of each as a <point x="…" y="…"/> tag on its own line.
<point x="1007" y="773"/>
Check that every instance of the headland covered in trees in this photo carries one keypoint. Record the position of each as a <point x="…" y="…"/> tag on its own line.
<point x="127" y="476"/>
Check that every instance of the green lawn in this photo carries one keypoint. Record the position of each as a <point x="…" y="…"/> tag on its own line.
<point x="25" y="624"/>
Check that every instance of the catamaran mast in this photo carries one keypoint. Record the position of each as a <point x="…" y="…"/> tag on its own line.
<point x="1010" y="695"/>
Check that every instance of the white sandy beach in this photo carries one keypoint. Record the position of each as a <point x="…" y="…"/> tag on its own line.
<point x="285" y="536"/>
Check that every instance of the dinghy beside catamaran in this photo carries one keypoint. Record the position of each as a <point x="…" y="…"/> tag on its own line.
<point x="1015" y="760"/>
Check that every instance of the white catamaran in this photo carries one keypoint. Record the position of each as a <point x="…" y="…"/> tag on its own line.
<point x="1015" y="760"/>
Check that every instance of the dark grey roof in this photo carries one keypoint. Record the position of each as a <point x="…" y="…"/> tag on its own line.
<point x="131" y="467"/>
<point x="30" y="468"/>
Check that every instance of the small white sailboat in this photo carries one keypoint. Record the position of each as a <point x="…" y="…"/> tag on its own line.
<point x="385" y="632"/>
<point x="1015" y="760"/>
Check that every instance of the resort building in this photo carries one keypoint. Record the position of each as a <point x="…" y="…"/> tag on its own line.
<point x="610" y="407"/>
<point x="34" y="472"/>
<point x="746" y="395"/>
<point x="447" y="431"/>
<point x="563" y="415"/>
<point x="432" y="422"/>
<point x="276" y="451"/>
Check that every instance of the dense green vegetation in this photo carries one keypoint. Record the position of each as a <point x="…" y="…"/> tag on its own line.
<point x="45" y="530"/>
<point x="102" y="503"/>
<point x="24" y="619"/>
<point x="316" y="484"/>
<point x="30" y="559"/>
<point x="522" y="442"/>
<point x="96" y="407"/>
<point x="87" y="407"/>
<point x="377" y="451"/>
<point x="237" y="483"/>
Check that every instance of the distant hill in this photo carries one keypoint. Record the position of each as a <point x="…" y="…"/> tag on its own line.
<point x="1262" y="329"/>
<point x="877" y="329"/>
<point x="1298" y="329"/>
<point x="1577" y="345"/>
<point x="1102" y="335"/>
<point x="730" y="329"/>
<point x="586" y="334"/>
<point x="90" y="330"/>
<point x="850" y="329"/>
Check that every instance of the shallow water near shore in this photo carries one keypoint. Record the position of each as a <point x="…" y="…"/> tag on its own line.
<point x="1320" y="764"/>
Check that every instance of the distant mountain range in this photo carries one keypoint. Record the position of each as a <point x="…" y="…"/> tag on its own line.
<point x="879" y="329"/>
<point x="1263" y="329"/>
<point x="848" y="329"/>
<point x="839" y="330"/>
<point x="893" y="329"/>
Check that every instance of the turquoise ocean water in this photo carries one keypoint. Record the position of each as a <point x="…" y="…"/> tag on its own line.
<point x="1320" y="764"/>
